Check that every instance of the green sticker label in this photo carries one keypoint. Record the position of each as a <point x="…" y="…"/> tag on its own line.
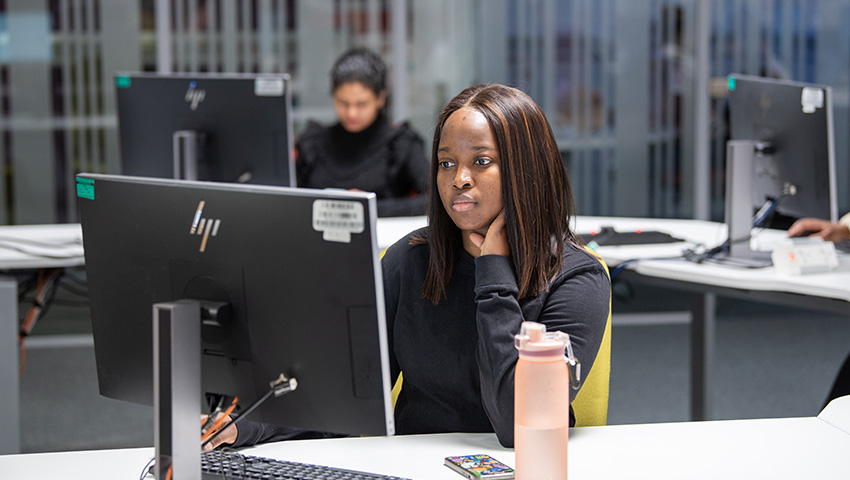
<point x="122" y="82"/>
<point x="731" y="83"/>
<point x="85" y="188"/>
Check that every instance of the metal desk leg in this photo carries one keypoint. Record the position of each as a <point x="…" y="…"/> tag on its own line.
<point x="10" y="418"/>
<point x="702" y="353"/>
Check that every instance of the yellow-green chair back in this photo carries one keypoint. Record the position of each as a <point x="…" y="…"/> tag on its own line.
<point x="591" y="403"/>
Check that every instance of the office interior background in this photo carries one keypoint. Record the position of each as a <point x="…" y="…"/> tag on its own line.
<point x="635" y="92"/>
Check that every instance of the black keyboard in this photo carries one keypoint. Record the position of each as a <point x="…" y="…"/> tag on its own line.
<point x="230" y="465"/>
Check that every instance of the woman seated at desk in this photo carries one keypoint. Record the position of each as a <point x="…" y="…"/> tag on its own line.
<point x="498" y="251"/>
<point x="363" y="151"/>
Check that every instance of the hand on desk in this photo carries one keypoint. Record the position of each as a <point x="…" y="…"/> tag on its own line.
<point x="816" y="227"/>
<point x="227" y="437"/>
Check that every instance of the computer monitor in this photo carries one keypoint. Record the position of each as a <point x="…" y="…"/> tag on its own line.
<point x="781" y="154"/>
<point x="206" y="126"/>
<point x="294" y="273"/>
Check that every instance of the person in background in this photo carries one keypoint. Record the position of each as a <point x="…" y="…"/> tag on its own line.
<point x="363" y="151"/>
<point x="816" y="227"/>
<point x="832" y="232"/>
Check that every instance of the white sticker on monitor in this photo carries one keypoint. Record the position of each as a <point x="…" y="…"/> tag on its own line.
<point x="268" y="87"/>
<point x="338" y="219"/>
<point x="811" y="99"/>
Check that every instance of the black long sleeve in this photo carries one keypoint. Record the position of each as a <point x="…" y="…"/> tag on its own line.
<point x="458" y="357"/>
<point x="385" y="159"/>
<point x="252" y="433"/>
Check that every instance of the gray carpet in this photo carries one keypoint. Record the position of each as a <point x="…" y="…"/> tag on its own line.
<point x="61" y="408"/>
<point x="764" y="367"/>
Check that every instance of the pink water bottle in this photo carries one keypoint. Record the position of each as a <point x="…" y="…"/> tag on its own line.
<point x="542" y="402"/>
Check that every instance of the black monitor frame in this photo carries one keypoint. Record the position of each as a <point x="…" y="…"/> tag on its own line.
<point x="224" y="127"/>
<point x="203" y="287"/>
<point x="781" y="148"/>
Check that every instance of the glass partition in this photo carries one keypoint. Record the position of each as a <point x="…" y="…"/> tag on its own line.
<point x="620" y="81"/>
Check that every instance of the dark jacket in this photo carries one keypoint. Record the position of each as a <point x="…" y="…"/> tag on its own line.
<point x="385" y="159"/>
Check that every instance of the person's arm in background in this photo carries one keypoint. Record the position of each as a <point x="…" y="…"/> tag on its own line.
<point x="816" y="227"/>
<point x="408" y="176"/>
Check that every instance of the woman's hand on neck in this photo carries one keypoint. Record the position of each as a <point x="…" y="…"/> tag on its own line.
<point x="493" y="242"/>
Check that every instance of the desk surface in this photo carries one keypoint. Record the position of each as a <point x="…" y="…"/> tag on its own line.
<point x="41" y="246"/>
<point x="785" y="448"/>
<point x="830" y="285"/>
<point x="791" y="448"/>
<point x="697" y="232"/>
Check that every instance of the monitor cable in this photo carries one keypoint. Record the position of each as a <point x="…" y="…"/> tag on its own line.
<point x="699" y="254"/>
<point x="45" y="283"/>
<point x="279" y="386"/>
<point x="761" y="217"/>
<point x="625" y="264"/>
<point x="45" y="290"/>
<point x="215" y="423"/>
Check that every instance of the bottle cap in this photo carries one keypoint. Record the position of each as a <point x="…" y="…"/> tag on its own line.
<point x="534" y="341"/>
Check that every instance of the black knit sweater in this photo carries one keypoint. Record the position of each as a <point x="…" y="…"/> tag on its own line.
<point x="385" y="159"/>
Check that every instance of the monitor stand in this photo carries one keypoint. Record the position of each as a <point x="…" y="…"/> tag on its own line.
<point x="177" y="385"/>
<point x="185" y="149"/>
<point x="740" y="161"/>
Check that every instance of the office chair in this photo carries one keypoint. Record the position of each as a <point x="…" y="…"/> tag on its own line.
<point x="591" y="404"/>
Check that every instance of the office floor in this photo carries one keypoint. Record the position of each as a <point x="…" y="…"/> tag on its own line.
<point x="770" y="362"/>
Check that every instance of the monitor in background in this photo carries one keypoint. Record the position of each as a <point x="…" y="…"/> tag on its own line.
<point x="780" y="156"/>
<point x="216" y="127"/>
<point x="293" y="274"/>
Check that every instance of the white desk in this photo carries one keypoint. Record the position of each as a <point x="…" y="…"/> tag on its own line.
<point x="786" y="448"/>
<point x="835" y="285"/>
<point x="790" y="448"/>
<point x="24" y="247"/>
<point x="41" y="246"/>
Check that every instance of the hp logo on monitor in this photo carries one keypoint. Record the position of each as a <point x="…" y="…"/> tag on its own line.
<point x="194" y="96"/>
<point x="204" y="227"/>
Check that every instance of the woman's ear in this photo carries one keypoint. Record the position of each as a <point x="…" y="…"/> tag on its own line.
<point x="382" y="99"/>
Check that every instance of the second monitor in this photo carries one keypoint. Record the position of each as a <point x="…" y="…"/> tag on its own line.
<point x="219" y="127"/>
<point x="790" y="126"/>
<point x="780" y="157"/>
<point x="290" y="282"/>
